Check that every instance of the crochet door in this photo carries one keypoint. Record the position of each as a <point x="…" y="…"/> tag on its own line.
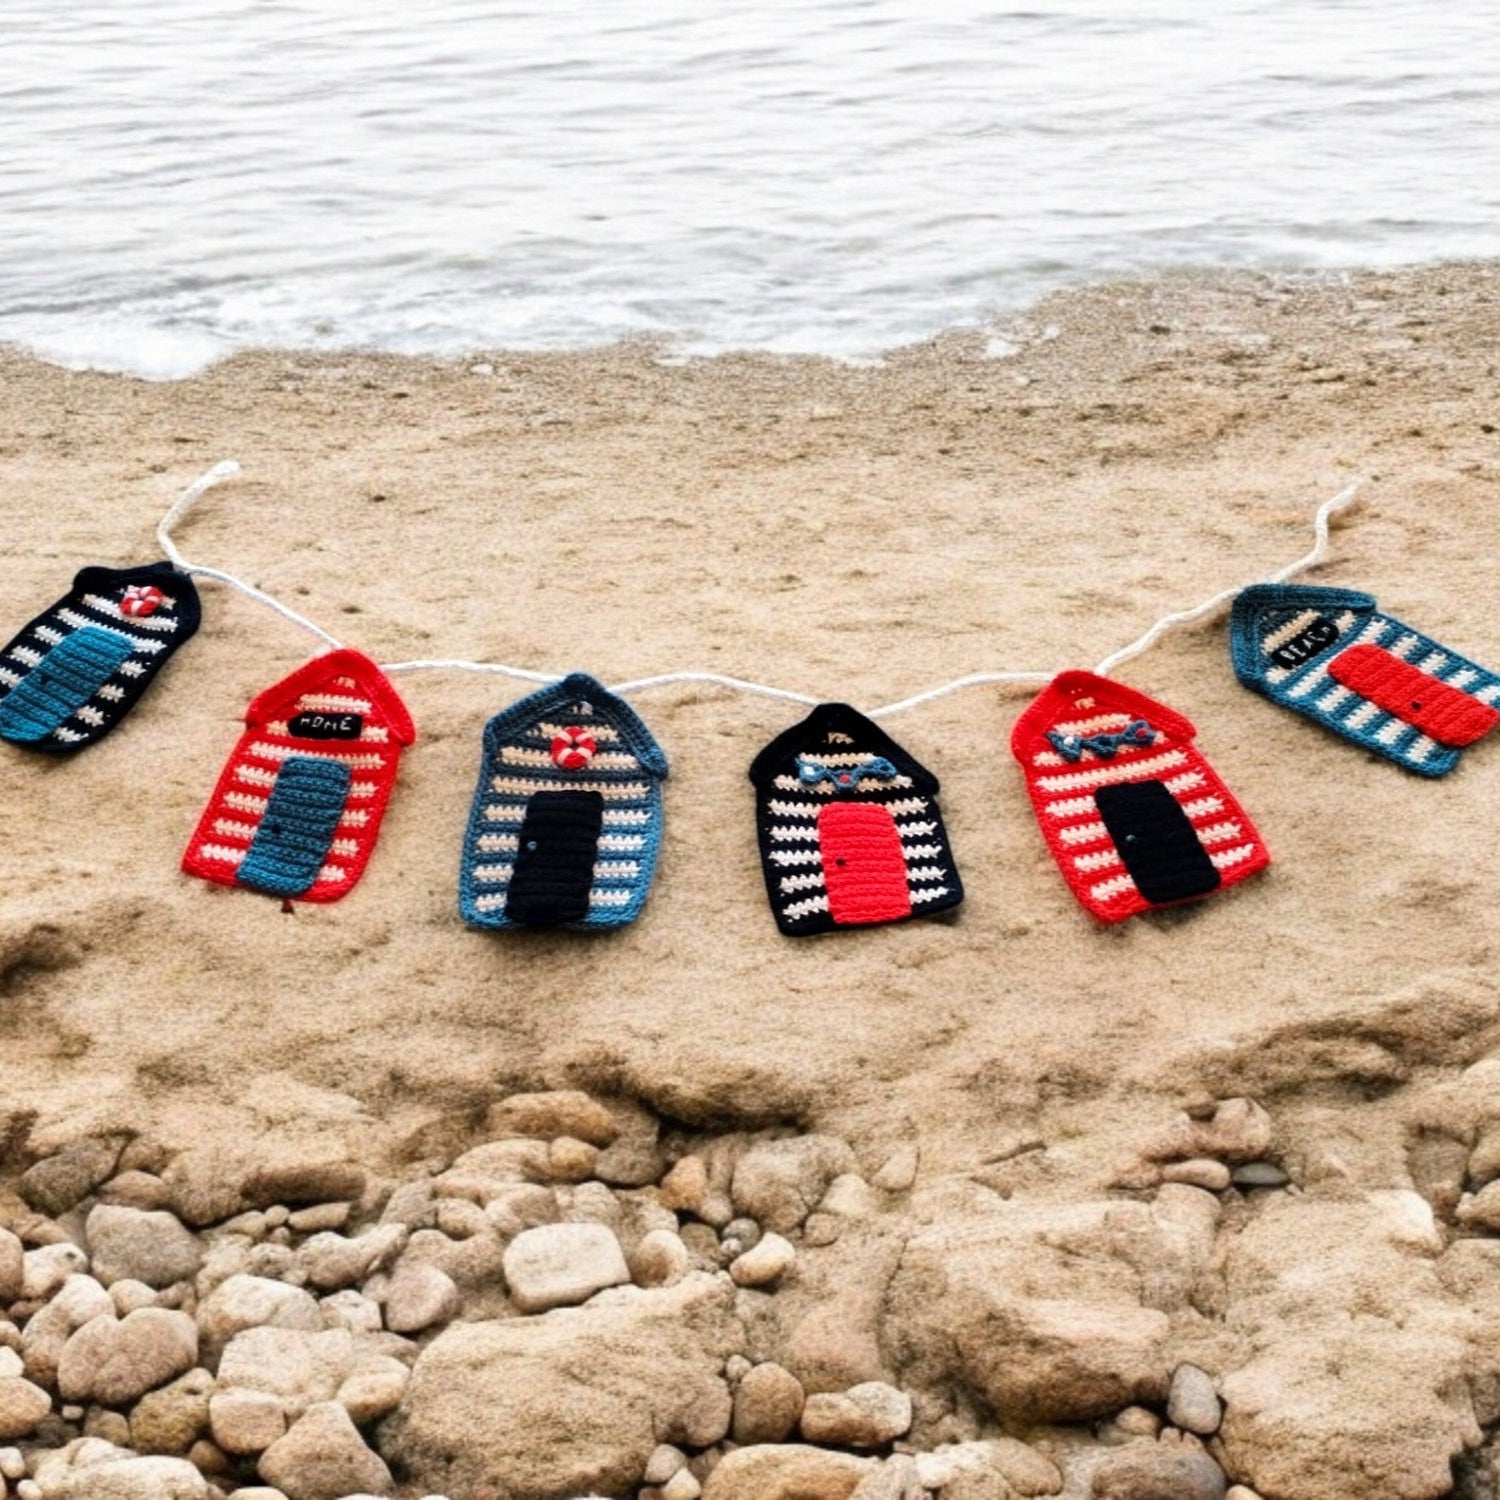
<point x="1332" y="656"/>
<point x="850" y="832"/>
<point x="1134" y="815"/>
<point x="298" y="808"/>
<point x="567" y="817"/>
<point x="81" y="665"/>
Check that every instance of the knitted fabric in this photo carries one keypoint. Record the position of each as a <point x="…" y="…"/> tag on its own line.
<point x="298" y="807"/>
<point x="1334" y="657"/>
<point x="849" y="827"/>
<point x="567" y="816"/>
<point x="1134" y="815"/>
<point x="81" y="665"/>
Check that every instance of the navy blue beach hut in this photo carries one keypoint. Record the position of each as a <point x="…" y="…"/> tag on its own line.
<point x="567" y="817"/>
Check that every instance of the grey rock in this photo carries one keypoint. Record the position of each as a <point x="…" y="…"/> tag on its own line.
<point x="1260" y="1174"/>
<point x="323" y="1457"/>
<point x="136" y="1244"/>
<point x="1192" y="1402"/>
<point x="558" y="1265"/>
<point x="57" y="1183"/>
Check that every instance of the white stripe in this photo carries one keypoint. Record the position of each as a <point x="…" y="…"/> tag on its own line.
<point x="790" y="835"/>
<point x="621" y="843"/>
<point x="1083" y="833"/>
<point x="489" y="903"/>
<point x="907" y="806"/>
<point x="1462" y="678"/>
<point x="7" y="676"/>
<point x="519" y="786"/>
<point x="1405" y="646"/>
<point x="333" y="703"/>
<point x="228" y="829"/>
<point x="1283" y="633"/>
<point x="926" y="872"/>
<point x="353" y="760"/>
<point x="1487" y="695"/>
<point x="68" y="736"/>
<point x="1100" y="775"/>
<point x="786" y="857"/>
<point x="255" y="776"/>
<point x="1101" y="860"/>
<point x="361" y="788"/>
<point x="928" y="893"/>
<point x="842" y="758"/>
<point x="799" y="909"/>
<point x="78" y="621"/>
<point x="1330" y="701"/>
<point x="915" y="830"/>
<point x="1219" y="832"/>
<point x="330" y="873"/>
<point x="244" y="802"/>
<point x="604" y="760"/>
<point x="164" y="623"/>
<point x="1419" y="749"/>
<point x="601" y="732"/>
<point x="111" y="694"/>
<point x="1392" y="731"/>
<point x="923" y="851"/>
<point x="90" y="715"/>
<point x="793" y="883"/>
<point x="616" y="869"/>
<point x="490" y="874"/>
<point x="1432" y="663"/>
<point x="1074" y="807"/>
<point x="133" y="668"/>
<point x="1233" y="856"/>
<point x="783" y="809"/>
<point x="48" y="634"/>
<point x="611" y="898"/>
<point x="827" y="789"/>
<point x="1362" y="715"/>
<point x="221" y="854"/>
<point x="1203" y="806"/>
<point x="347" y="848"/>
<point x="26" y="655"/>
<point x="1107" y="890"/>
<point x="497" y="843"/>
<point x="1184" y="783"/>
<point x="355" y="818"/>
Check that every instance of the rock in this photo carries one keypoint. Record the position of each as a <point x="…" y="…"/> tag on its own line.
<point x="778" y="1183"/>
<point x="1038" y="1308"/>
<point x="630" y="1163"/>
<point x="768" y="1405"/>
<point x="574" y="1403"/>
<point x="246" y="1421"/>
<point x="128" y="1296"/>
<point x="899" y="1171"/>
<point x="685" y="1187"/>
<point x="173" y="1418"/>
<point x="864" y="1416"/>
<point x="79" y="1301"/>
<point x="244" y="1302"/>
<point x="565" y="1112"/>
<point x="123" y="1476"/>
<point x="683" y="1485"/>
<point x="332" y="1262"/>
<point x="1154" y="1471"/>
<point x="659" y="1259"/>
<point x="12" y="1267"/>
<point x="1200" y="1171"/>
<point x="419" y="1296"/>
<point x="664" y="1462"/>
<point x="771" y="1258"/>
<point x="745" y="1233"/>
<point x="22" y="1407"/>
<point x="352" y="1310"/>
<point x="323" y="1457"/>
<point x="136" y="1190"/>
<point x="786" y="1472"/>
<point x="44" y="1270"/>
<point x="1003" y="1467"/>
<point x="1259" y="1174"/>
<point x="895" y="1479"/>
<point x="115" y="1361"/>
<point x="570" y="1160"/>
<point x="299" y="1367"/>
<point x="1239" y="1492"/>
<point x="490" y="1171"/>
<point x="1482" y="1210"/>
<point x="140" y="1245"/>
<point x="1137" y="1421"/>
<point x="303" y="1182"/>
<point x="319" y="1217"/>
<point x="57" y="1183"/>
<point x="558" y="1265"/>
<point x="849" y="1196"/>
<point x="374" y="1388"/>
<point x="1192" y="1402"/>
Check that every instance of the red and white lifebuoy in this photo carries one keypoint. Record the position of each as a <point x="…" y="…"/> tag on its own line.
<point x="141" y="599"/>
<point x="573" y="749"/>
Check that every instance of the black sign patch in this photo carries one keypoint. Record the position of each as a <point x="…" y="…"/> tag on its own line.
<point x="327" y="726"/>
<point x="1305" y="645"/>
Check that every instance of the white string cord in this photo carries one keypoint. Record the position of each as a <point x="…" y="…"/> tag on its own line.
<point x="225" y="470"/>
<point x="185" y="502"/>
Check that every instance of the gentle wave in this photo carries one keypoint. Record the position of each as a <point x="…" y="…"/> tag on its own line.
<point x="188" y="177"/>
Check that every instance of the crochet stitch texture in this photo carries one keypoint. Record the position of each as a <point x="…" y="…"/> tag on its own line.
<point x="1332" y="656"/>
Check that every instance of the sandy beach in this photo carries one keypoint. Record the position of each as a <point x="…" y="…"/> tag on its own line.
<point x="860" y="534"/>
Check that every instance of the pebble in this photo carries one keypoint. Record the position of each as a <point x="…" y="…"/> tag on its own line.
<point x="1260" y="1174"/>
<point x="571" y="1160"/>
<point x="244" y="1302"/>
<point x="899" y="1171"/>
<point x="12" y="1267"/>
<point x="319" y="1216"/>
<point x="864" y="1416"/>
<point x="57" y="1183"/>
<point x="1148" y="1471"/>
<point x="685" y="1187"/>
<point x="332" y="1261"/>
<point x="459" y="1218"/>
<point x="352" y="1310"/>
<point x="564" y="1112"/>
<point x="664" y="1462"/>
<point x="1192" y="1402"/>
<point x="246" y="1421"/>
<point x="303" y="1184"/>
<point x="683" y="1485"/>
<point x="559" y="1265"/>
<point x="129" y="1295"/>
<point x="822" y="1229"/>
<point x="22" y="1406"/>
<point x="771" y="1258"/>
<point x="419" y="1296"/>
<point x="1138" y="1421"/>
<point x="1240" y="1492"/>
<point x="1482" y="1209"/>
<point x="45" y="1269"/>
<point x="1200" y="1172"/>
<point x="136" y="1244"/>
<point x="768" y="1402"/>
<point x="136" y="1190"/>
<point x="323" y="1457"/>
<point x="172" y="1419"/>
<point x="115" y="1361"/>
<point x="744" y="1232"/>
<point x="660" y="1259"/>
<point x="374" y="1389"/>
<point x="849" y="1196"/>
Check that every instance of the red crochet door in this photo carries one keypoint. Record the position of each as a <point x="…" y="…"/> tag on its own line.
<point x="864" y="868"/>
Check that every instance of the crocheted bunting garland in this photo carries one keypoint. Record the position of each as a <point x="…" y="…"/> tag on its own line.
<point x="298" y="807"/>
<point x="567" y="816"/>
<point x="1334" y="657"/>
<point x="80" y="666"/>
<point x="1134" y="815"/>
<point x="850" y="832"/>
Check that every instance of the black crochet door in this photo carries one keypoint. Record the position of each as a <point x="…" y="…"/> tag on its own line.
<point x="1156" y="841"/>
<point x="554" y="871"/>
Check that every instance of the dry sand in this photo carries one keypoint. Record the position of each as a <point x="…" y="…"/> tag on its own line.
<point x="853" y="533"/>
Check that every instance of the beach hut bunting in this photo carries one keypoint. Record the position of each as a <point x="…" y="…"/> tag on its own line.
<point x="298" y="807"/>
<point x="567" y="816"/>
<point x="1134" y="815"/>
<point x="850" y="832"/>
<point x="1334" y="657"/>
<point x="81" y="665"/>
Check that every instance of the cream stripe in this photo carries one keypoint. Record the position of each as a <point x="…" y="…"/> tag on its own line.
<point x="795" y="857"/>
<point x="78" y="621"/>
<point x="221" y="854"/>
<point x="1362" y="715"/>
<point x="353" y="760"/>
<point x="228" y="829"/>
<point x="1090" y="726"/>
<point x="601" y="732"/>
<point x="1233" y="856"/>
<point x="926" y="872"/>
<point x="1203" y="806"/>
<point x="333" y="703"/>
<point x="799" y="909"/>
<point x="255" y="776"/>
<point x="167" y="624"/>
<point x="1100" y="775"/>
<point x="1283" y="633"/>
<point x="1083" y="833"/>
<point x="244" y="802"/>
<point x="827" y="789"/>
<point x="928" y="893"/>
<point x="1101" y="860"/>
<point x="520" y="786"/>
<point x="790" y="884"/>
<point x="330" y="873"/>
<point x="1107" y="890"/>
<point x="611" y="898"/>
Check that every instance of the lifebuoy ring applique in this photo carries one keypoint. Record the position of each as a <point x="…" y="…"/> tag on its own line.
<point x="573" y="749"/>
<point x="141" y="600"/>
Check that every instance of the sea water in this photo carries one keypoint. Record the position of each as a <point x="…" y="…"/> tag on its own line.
<point x="180" y="178"/>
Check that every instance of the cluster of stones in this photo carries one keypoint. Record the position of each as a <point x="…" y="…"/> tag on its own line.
<point x="559" y="1311"/>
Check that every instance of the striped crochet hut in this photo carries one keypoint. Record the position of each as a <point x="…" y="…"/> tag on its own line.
<point x="77" y="669"/>
<point x="298" y="807"/>
<point x="1334" y="657"/>
<point x="567" y="817"/>
<point x="1134" y="815"/>
<point x="850" y="832"/>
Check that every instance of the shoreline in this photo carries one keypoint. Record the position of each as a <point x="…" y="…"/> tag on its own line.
<point x="855" y="533"/>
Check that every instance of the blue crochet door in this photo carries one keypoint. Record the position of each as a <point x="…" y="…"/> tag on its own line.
<point x="297" y="828"/>
<point x="62" y="682"/>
